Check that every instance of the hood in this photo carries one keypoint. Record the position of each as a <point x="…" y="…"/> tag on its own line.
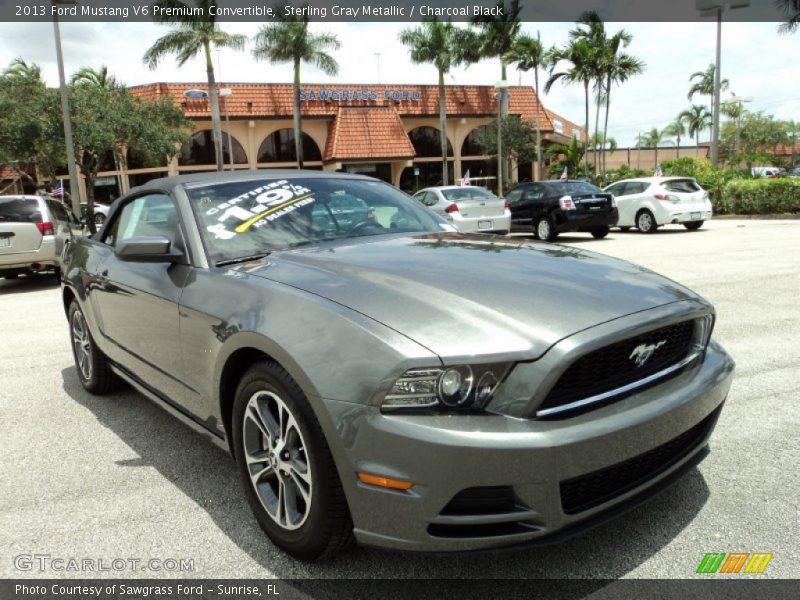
<point x="464" y="296"/>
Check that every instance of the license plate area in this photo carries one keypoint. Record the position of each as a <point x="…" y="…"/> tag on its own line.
<point x="484" y="224"/>
<point x="695" y="216"/>
<point x="5" y="241"/>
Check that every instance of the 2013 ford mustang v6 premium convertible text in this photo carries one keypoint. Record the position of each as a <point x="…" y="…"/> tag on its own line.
<point x="380" y="377"/>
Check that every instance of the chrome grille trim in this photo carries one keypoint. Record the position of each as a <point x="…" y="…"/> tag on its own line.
<point x="620" y="390"/>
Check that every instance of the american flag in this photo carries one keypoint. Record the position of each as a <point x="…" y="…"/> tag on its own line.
<point x="465" y="179"/>
<point x="565" y="174"/>
<point x="659" y="172"/>
<point x="58" y="192"/>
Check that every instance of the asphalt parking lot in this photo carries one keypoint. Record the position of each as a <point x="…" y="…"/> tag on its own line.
<point x="116" y="477"/>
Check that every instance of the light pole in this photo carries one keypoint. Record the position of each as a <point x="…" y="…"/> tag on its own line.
<point x="715" y="8"/>
<point x="74" y="187"/>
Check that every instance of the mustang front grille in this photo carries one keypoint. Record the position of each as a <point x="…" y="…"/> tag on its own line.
<point x="621" y="364"/>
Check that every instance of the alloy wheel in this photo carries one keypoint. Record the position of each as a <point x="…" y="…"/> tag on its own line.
<point x="82" y="344"/>
<point x="277" y="461"/>
<point x="645" y="222"/>
<point x="543" y="229"/>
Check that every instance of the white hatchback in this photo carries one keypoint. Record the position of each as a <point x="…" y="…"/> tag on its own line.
<point x="470" y="208"/>
<point x="650" y="202"/>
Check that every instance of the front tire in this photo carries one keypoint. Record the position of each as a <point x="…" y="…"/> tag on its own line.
<point x="646" y="221"/>
<point x="286" y="467"/>
<point x="600" y="233"/>
<point x="94" y="371"/>
<point x="545" y="230"/>
<point x="693" y="225"/>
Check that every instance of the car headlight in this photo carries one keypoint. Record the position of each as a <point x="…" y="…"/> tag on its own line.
<point x="459" y="387"/>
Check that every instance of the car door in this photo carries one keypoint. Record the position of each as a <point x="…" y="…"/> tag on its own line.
<point x="625" y="201"/>
<point x="138" y="301"/>
<point x="535" y="200"/>
<point x="516" y="200"/>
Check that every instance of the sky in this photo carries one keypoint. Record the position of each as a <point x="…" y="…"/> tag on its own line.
<point x="760" y="64"/>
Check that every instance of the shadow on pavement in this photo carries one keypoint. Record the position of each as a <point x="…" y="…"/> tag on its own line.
<point x="207" y="475"/>
<point x="29" y="283"/>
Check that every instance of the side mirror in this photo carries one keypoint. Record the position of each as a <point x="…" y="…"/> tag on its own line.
<point x="154" y="249"/>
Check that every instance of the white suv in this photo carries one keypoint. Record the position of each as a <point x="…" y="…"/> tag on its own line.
<point x="650" y="202"/>
<point x="33" y="231"/>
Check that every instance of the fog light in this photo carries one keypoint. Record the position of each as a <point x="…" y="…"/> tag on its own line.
<point x="485" y="388"/>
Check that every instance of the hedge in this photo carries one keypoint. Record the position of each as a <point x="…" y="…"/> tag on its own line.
<point x="759" y="197"/>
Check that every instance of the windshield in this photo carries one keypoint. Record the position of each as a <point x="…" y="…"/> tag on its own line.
<point x="247" y="218"/>
<point x="467" y="193"/>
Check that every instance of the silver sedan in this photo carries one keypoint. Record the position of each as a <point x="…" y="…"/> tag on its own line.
<point x="470" y="209"/>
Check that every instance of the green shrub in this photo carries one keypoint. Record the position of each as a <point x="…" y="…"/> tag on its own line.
<point x="760" y="197"/>
<point x="712" y="179"/>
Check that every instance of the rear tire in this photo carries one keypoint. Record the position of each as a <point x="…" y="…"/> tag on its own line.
<point x="693" y="225"/>
<point x="599" y="234"/>
<point x="94" y="370"/>
<point x="545" y="230"/>
<point x="645" y="221"/>
<point x="288" y="473"/>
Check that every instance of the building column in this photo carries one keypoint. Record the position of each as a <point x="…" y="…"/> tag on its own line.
<point x="252" y="151"/>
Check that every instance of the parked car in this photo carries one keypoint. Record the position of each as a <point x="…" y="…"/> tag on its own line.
<point x="33" y="231"/>
<point x="471" y="209"/>
<point x="553" y="207"/>
<point x="408" y="387"/>
<point x="100" y="212"/>
<point x="795" y="172"/>
<point x="768" y="172"/>
<point x="647" y="203"/>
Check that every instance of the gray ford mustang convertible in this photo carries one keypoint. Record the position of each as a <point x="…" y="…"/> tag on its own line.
<point x="380" y="377"/>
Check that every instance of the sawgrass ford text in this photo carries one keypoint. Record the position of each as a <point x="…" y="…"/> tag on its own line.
<point x="322" y="12"/>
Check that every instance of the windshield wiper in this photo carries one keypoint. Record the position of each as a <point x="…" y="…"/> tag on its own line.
<point x="241" y="259"/>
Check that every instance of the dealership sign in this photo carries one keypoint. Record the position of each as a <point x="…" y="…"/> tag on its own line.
<point x="363" y="95"/>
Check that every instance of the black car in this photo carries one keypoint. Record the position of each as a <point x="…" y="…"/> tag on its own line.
<point x="553" y="207"/>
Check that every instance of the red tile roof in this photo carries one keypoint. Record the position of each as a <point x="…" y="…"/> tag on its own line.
<point x="367" y="133"/>
<point x="271" y="100"/>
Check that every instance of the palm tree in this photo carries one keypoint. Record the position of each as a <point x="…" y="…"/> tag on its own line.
<point x="528" y="53"/>
<point x="653" y="139"/>
<point x="703" y="84"/>
<point x="497" y="35"/>
<point x="446" y="46"/>
<point x="697" y="118"/>
<point x="591" y="28"/>
<point x="792" y="10"/>
<point x="579" y="55"/>
<point x="618" y="68"/>
<point x="188" y="38"/>
<point x="676" y="129"/>
<point x="289" y="40"/>
<point x="20" y="71"/>
<point x="95" y="78"/>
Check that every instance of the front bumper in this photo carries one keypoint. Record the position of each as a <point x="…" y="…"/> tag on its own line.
<point x="446" y="454"/>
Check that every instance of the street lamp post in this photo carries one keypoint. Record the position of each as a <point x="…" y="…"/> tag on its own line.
<point x="74" y="187"/>
<point x="224" y="93"/>
<point x="715" y="8"/>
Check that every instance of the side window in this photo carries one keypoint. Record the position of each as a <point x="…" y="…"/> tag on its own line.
<point x="58" y="211"/>
<point x="617" y="189"/>
<point x="635" y="187"/>
<point x="515" y="196"/>
<point x="534" y="192"/>
<point x="151" y="215"/>
<point x="430" y="199"/>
